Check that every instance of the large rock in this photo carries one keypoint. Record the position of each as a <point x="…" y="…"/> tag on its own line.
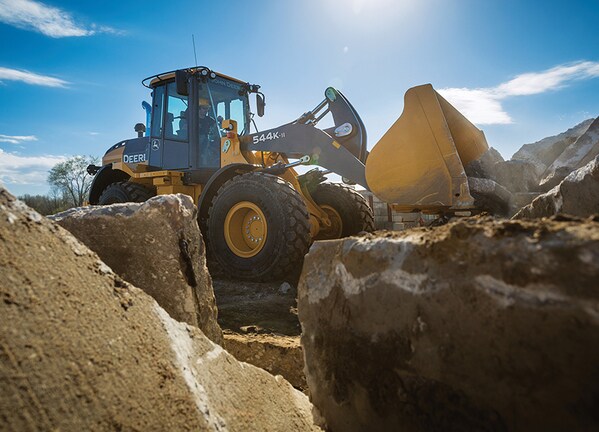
<point x="484" y="166"/>
<point x="497" y="185"/>
<point x="516" y="176"/>
<point x="476" y="325"/>
<point x="490" y="196"/>
<point x="576" y="155"/>
<point x="520" y="200"/>
<point x="592" y="136"/>
<point x="81" y="349"/>
<point x="577" y="195"/>
<point x="542" y="153"/>
<point x="157" y="246"/>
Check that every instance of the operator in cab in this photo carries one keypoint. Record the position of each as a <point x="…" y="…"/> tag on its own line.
<point x="209" y="136"/>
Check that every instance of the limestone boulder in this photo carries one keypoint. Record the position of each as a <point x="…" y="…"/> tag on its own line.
<point x="576" y="155"/>
<point x="591" y="136"/>
<point x="81" y="349"/>
<point x="516" y="176"/>
<point x="157" y="246"/>
<point x="506" y="177"/>
<point x="577" y="195"/>
<point x="542" y="153"/>
<point x="476" y="325"/>
<point x="490" y="196"/>
<point x="484" y="166"/>
<point x="521" y="199"/>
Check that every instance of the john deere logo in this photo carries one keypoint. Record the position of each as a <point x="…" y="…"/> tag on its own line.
<point x="155" y="144"/>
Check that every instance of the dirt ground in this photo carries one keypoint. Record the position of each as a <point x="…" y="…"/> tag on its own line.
<point x="253" y="307"/>
<point x="261" y="327"/>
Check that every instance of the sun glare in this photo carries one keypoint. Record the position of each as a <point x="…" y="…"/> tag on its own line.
<point x="374" y="14"/>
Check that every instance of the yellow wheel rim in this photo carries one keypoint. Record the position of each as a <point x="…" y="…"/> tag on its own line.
<point x="336" y="229"/>
<point x="245" y="229"/>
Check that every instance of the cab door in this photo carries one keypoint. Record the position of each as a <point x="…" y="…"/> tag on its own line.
<point x="169" y="137"/>
<point x="157" y="127"/>
<point x="175" y="149"/>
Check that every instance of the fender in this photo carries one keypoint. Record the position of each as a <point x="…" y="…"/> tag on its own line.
<point x="215" y="182"/>
<point x="103" y="178"/>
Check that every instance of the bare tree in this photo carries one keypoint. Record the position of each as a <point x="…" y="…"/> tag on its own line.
<point x="71" y="178"/>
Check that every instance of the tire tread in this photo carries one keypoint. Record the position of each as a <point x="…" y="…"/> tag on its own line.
<point x="364" y="211"/>
<point x="297" y="237"/>
<point x="136" y="192"/>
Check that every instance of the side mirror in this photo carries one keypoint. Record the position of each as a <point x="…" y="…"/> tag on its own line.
<point x="260" y="104"/>
<point x="181" y="82"/>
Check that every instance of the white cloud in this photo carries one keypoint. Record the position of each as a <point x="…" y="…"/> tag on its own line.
<point x="478" y="105"/>
<point x="30" y="77"/>
<point x="26" y="170"/>
<point x="555" y="78"/>
<point x="48" y="20"/>
<point x="483" y="105"/>
<point x="17" y="139"/>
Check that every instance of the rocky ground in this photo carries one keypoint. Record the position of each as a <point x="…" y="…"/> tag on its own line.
<point x="481" y="324"/>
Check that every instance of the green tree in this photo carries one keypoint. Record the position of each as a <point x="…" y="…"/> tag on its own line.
<point x="71" y="179"/>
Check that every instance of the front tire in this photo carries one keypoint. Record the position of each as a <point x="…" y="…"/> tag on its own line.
<point x="258" y="227"/>
<point x="122" y="192"/>
<point x="348" y="211"/>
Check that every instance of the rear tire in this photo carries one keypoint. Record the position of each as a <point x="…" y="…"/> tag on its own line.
<point x="258" y="228"/>
<point x="122" y="192"/>
<point x="344" y="203"/>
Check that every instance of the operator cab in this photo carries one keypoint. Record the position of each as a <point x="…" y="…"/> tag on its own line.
<point x="188" y="107"/>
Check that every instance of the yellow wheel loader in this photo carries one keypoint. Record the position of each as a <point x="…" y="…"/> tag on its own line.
<point x="257" y="214"/>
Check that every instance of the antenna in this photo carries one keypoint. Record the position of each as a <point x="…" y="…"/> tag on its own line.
<point x="193" y="40"/>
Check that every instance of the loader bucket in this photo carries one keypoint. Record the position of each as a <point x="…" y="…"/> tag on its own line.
<point x="418" y="165"/>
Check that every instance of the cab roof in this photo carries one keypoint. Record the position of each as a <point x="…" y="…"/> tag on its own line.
<point x="167" y="76"/>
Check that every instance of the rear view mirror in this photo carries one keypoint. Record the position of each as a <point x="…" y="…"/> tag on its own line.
<point x="260" y="104"/>
<point x="181" y="82"/>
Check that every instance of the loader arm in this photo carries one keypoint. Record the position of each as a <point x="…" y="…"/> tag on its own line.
<point x="341" y="148"/>
<point x="296" y="140"/>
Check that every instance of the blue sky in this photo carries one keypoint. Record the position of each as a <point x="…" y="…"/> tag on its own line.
<point x="70" y="71"/>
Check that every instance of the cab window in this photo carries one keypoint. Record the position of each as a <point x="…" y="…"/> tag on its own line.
<point x="234" y="110"/>
<point x="175" y="121"/>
